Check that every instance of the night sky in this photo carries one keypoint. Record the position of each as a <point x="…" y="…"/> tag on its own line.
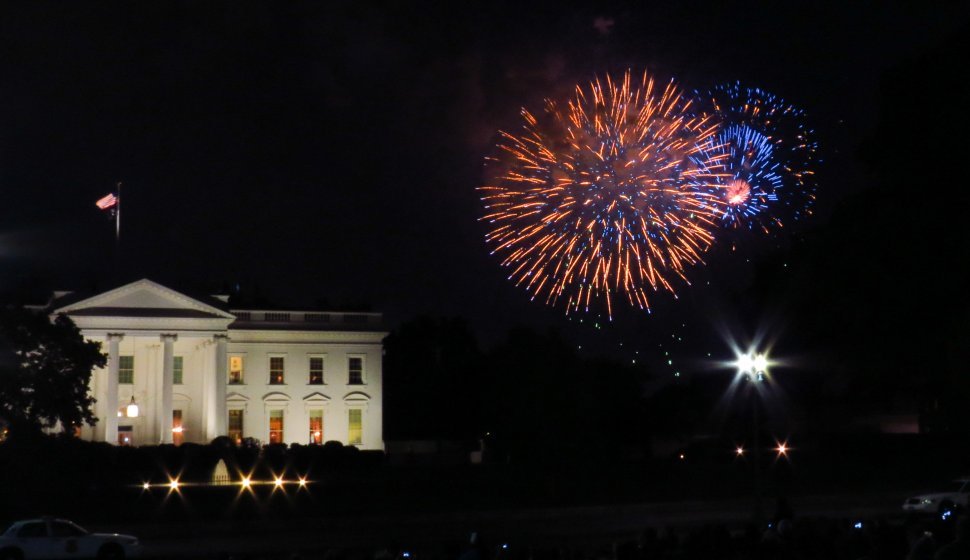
<point x="331" y="150"/>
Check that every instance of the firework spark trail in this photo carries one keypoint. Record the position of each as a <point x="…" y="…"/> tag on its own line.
<point x="615" y="191"/>
<point x="767" y="152"/>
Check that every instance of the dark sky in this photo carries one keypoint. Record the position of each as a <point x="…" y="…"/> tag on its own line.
<point x="332" y="149"/>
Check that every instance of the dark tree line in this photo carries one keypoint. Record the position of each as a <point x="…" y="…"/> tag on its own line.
<point x="880" y="290"/>
<point x="531" y="395"/>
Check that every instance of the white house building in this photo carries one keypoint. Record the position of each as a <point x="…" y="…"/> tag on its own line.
<point x="189" y="369"/>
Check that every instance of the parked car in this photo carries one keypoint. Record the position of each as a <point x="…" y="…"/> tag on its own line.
<point x="956" y="495"/>
<point x="59" y="538"/>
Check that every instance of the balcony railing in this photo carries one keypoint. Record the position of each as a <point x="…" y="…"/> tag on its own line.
<point x="313" y="319"/>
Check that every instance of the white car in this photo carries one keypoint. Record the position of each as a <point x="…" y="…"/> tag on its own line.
<point x="957" y="494"/>
<point x="59" y="538"/>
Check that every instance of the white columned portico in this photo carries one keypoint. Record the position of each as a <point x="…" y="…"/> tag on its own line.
<point x="222" y="345"/>
<point x="110" y="420"/>
<point x="168" y="368"/>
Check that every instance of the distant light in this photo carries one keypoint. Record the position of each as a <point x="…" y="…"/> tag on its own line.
<point x="681" y="456"/>
<point x="316" y="434"/>
<point x="174" y="485"/>
<point x="752" y="364"/>
<point x="782" y="449"/>
<point x="744" y="364"/>
<point x="146" y="486"/>
<point x="858" y="525"/>
<point x="302" y="482"/>
<point x="177" y="430"/>
<point x="760" y="363"/>
<point x="246" y="482"/>
<point x="739" y="451"/>
<point x="278" y="482"/>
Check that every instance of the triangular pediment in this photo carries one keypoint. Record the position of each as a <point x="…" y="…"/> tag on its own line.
<point x="316" y="397"/>
<point x="236" y="397"/>
<point x="143" y="298"/>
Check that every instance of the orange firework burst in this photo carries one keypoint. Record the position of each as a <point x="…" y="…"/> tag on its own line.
<point x="609" y="192"/>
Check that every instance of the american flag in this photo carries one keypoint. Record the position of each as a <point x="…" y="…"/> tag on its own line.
<point x="107" y="201"/>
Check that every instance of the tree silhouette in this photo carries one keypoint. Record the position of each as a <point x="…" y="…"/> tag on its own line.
<point x="45" y="371"/>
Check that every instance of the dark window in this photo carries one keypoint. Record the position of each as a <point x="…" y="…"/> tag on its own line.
<point x="33" y="530"/>
<point x="282" y="317"/>
<point x="126" y="370"/>
<point x="177" y="370"/>
<point x="317" y="317"/>
<point x="64" y="529"/>
<point x="316" y="371"/>
<point x="356" y="368"/>
<point x="276" y="374"/>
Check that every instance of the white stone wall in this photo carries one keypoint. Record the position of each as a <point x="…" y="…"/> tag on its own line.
<point x="296" y="397"/>
<point x="198" y="363"/>
<point x="199" y="329"/>
<point x="255" y="396"/>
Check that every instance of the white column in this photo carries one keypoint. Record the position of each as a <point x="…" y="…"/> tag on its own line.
<point x="168" y="367"/>
<point x="222" y="346"/>
<point x="111" y="390"/>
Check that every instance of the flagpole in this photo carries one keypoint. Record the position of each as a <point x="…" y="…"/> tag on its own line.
<point x="118" y="218"/>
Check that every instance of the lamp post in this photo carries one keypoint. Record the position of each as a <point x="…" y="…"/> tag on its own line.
<point x="753" y="368"/>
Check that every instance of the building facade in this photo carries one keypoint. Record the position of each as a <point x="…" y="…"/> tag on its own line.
<point x="190" y="369"/>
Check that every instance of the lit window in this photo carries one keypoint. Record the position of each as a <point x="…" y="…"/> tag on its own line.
<point x="178" y="435"/>
<point x="276" y="426"/>
<point x="356" y="368"/>
<point x="316" y="426"/>
<point x="276" y="370"/>
<point x="236" y="426"/>
<point x="177" y="370"/>
<point x="355" y="421"/>
<point x="235" y="370"/>
<point x="125" y="435"/>
<point x="126" y="370"/>
<point x="316" y="371"/>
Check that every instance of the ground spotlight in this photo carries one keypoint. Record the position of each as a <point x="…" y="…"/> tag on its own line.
<point x="782" y="449"/>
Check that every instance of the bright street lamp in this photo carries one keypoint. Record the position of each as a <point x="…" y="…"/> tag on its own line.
<point x="753" y="366"/>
